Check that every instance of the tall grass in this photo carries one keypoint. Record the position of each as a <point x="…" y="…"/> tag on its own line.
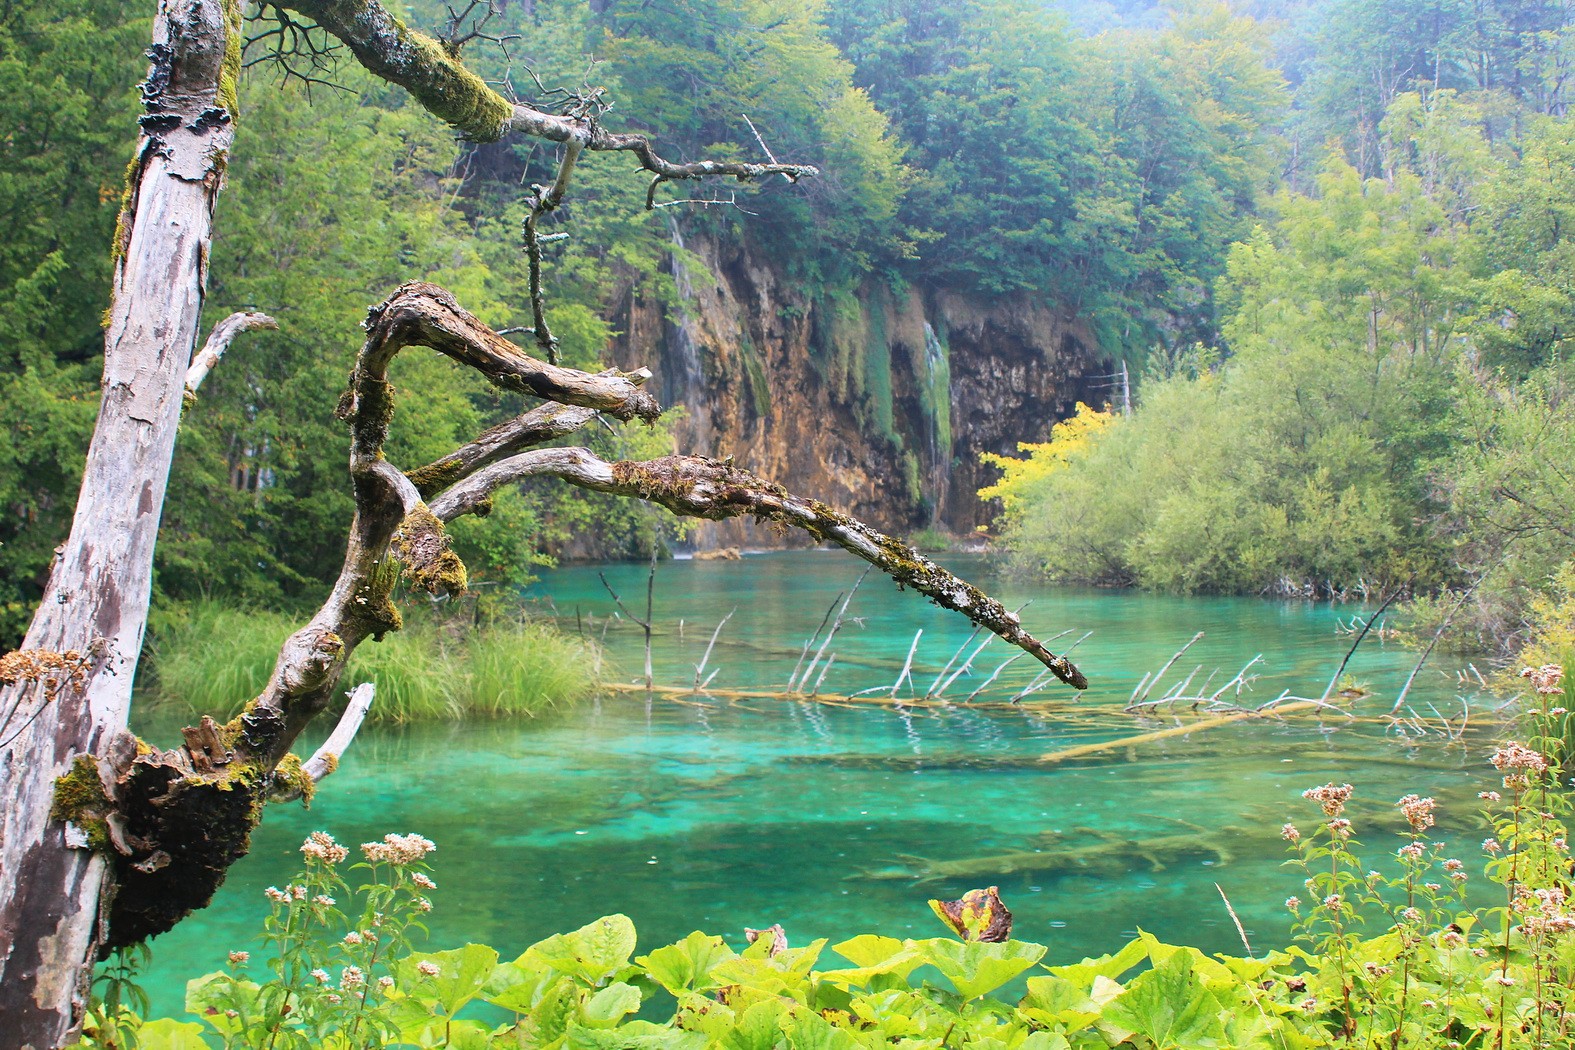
<point x="210" y="658"/>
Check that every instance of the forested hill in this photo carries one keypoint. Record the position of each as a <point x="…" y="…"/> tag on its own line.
<point x="1017" y="196"/>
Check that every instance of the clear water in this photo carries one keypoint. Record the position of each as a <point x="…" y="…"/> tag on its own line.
<point x="720" y="814"/>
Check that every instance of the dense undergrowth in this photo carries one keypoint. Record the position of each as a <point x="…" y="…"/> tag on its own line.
<point x="1380" y="960"/>
<point x="208" y="658"/>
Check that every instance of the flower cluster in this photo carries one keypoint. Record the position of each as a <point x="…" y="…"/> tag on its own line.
<point x="1417" y="811"/>
<point x="1330" y="797"/>
<point x="1518" y="762"/>
<point x="1545" y="679"/>
<point x="320" y="846"/>
<point x="398" y="849"/>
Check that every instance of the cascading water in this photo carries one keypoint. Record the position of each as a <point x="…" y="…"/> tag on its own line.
<point x="937" y="400"/>
<point x="685" y="383"/>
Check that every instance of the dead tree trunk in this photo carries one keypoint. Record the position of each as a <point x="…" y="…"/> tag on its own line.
<point x="95" y="605"/>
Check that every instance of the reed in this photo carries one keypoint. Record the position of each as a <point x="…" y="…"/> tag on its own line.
<point x="210" y="658"/>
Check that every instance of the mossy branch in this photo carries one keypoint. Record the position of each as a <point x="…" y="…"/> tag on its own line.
<point x="697" y="487"/>
<point x="441" y="82"/>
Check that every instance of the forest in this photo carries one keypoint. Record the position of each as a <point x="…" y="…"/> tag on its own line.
<point x="1260" y="303"/>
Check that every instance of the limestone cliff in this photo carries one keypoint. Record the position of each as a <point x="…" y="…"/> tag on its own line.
<point x="876" y="402"/>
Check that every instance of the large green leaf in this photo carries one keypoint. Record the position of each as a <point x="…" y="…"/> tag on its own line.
<point x="609" y="1005"/>
<point x="461" y="974"/>
<point x="636" y="1035"/>
<point x="1056" y="1000"/>
<point x="874" y="956"/>
<point x="1171" y="1007"/>
<point x="978" y="968"/>
<point x="685" y="965"/>
<point x="758" y="1028"/>
<point x="593" y="952"/>
<point x="214" y="997"/>
<point x="1111" y="966"/>
<point x="169" y="1034"/>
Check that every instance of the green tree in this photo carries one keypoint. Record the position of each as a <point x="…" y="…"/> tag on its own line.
<point x="67" y="70"/>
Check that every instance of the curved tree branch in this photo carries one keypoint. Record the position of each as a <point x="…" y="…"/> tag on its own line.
<point x="697" y="487"/>
<point x="219" y="341"/>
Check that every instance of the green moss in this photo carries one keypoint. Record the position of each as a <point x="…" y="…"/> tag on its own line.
<point x="291" y="777"/>
<point x="435" y="477"/>
<point x="430" y="563"/>
<point x="453" y="93"/>
<point x="372" y="611"/>
<point x="230" y="71"/>
<point x="80" y="798"/>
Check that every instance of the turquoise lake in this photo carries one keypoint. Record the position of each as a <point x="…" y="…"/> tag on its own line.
<point x="721" y="813"/>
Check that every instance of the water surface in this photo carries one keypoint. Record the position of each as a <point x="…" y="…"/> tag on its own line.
<point x="724" y="813"/>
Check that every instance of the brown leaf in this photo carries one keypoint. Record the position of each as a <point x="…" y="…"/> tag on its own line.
<point x="980" y="915"/>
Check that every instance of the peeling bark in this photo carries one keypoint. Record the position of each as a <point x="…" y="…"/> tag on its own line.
<point x="97" y="597"/>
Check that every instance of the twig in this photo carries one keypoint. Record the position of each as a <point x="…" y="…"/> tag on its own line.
<point x="836" y="625"/>
<point x="645" y="624"/>
<point x="1338" y="671"/>
<point x="994" y="675"/>
<point x="700" y="667"/>
<point x="907" y="664"/>
<point x="325" y="760"/>
<point x="219" y="341"/>
<point x="966" y="643"/>
<point x="1442" y="627"/>
<point x="1155" y="681"/>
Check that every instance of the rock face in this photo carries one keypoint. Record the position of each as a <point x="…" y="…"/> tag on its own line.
<point x="878" y="403"/>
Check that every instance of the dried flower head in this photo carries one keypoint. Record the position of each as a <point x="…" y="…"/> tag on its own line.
<point x="1330" y="797"/>
<point x="240" y="958"/>
<point x="1517" y="758"/>
<point x="276" y="895"/>
<point x="427" y="969"/>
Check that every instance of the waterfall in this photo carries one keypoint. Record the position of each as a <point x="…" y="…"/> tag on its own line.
<point x="685" y="383"/>
<point x="937" y="401"/>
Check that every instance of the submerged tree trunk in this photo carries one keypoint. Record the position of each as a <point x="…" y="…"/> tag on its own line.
<point x="95" y="606"/>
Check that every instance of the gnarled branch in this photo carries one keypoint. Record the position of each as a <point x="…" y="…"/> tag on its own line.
<point x="697" y="487"/>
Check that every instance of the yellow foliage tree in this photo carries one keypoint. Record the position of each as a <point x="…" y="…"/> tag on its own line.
<point x="1068" y="439"/>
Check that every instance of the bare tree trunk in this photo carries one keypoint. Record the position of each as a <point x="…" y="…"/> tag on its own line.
<point x="96" y="602"/>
